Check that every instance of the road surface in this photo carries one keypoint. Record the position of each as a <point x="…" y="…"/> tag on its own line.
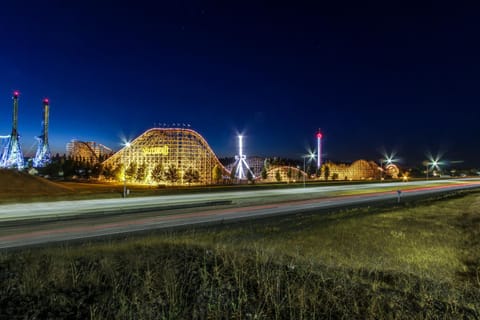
<point x="32" y="224"/>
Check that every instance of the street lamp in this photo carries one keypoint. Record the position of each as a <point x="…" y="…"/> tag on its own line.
<point x="127" y="146"/>
<point x="426" y="163"/>
<point x="433" y="163"/>
<point x="310" y="156"/>
<point x="387" y="160"/>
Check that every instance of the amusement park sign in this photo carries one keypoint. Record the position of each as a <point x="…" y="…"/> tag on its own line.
<point x="163" y="150"/>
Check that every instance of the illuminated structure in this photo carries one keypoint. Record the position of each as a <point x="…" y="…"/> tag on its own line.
<point x="319" y="149"/>
<point x="241" y="166"/>
<point x="176" y="151"/>
<point x="89" y="151"/>
<point x="358" y="170"/>
<point x="3" y="146"/>
<point x="392" y="170"/>
<point x="12" y="156"/>
<point x="43" y="156"/>
<point x="285" y="174"/>
<point x="256" y="165"/>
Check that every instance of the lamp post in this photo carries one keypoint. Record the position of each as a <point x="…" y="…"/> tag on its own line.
<point x="304" y="172"/>
<point x="381" y="170"/>
<point x="311" y="156"/>
<point x="127" y="146"/>
<point x="388" y="160"/>
<point x="433" y="163"/>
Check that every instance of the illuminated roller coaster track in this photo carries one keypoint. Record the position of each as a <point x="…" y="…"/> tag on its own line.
<point x="87" y="151"/>
<point x="181" y="148"/>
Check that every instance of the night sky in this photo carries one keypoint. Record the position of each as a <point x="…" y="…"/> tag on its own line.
<point x="373" y="77"/>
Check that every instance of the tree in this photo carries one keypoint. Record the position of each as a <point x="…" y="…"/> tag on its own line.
<point x="157" y="173"/>
<point x="191" y="176"/>
<point x="118" y="173"/>
<point x="97" y="170"/>
<point x="326" y="171"/>
<point x="68" y="168"/>
<point x="141" y="173"/>
<point x="311" y="168"/>
<point x="278" y="177"/>
<point x="264" y="172"/>
<point x="131" y="172"/>
<point x="266" y="165"/>
<point x="216" y="173"/>
<point x="299" y="174"/>
<point x="233" y="173"/>
<point x="335" y="176"/>
<point x="51" y="169"/>
<point x="172" y="174"/>
<point x="250" y="176"/>
<point x="87" y="170"/>
<point x="289" y="173"/>
<point x="107" y="172"/>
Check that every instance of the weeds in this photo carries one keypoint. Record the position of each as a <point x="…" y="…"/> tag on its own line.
<point x="416" y="262"/>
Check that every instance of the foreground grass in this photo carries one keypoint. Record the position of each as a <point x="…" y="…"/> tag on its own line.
<point x="420" y="261"/>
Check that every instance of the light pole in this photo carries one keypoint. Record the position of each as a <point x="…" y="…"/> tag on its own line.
<point x="311" y="156"/>
<point x="127" y="146"/>
<point x="433" y="163"/>
<point x="381" y="170"/>
<point x="304" y="172"/>
<point x="388" y="160"/>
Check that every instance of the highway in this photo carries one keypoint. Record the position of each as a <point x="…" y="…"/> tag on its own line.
<point x="37" y="223"/>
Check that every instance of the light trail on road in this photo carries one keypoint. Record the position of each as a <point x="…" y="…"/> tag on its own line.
<point x="97" y="225"/>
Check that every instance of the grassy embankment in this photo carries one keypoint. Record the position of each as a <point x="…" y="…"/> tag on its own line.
<point x="18" y="187"/>
<point x="418" y="261"/>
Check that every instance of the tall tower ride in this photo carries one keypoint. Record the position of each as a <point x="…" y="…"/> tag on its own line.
<point x="43" y="156"/>
<point x="319" y="148"/>
<point x="241" y="167"/>
<point x="13" y="157"/>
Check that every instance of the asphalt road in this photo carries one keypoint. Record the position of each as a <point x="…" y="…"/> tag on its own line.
<point x="94" y="218"/>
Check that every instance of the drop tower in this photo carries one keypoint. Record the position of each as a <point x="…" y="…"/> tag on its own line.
<point x="13" y="156"/>
<point x="43" y="156"/>
<point x="319" y="148"/>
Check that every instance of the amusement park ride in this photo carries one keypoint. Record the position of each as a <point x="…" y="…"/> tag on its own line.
<point x="319" y="149"/>
<point x="241" y="163"/>
<point x="43" y="156"/>
<point x="12" y="156"/>
<point x="11" y="151"/>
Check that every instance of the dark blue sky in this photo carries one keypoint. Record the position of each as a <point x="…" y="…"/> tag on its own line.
<point x="372" y="76"/>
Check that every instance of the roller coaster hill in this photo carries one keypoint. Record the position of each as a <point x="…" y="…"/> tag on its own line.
<point x="169" y="156"/>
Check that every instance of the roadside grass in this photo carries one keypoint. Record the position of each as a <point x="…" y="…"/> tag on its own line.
<point x="20" y="187"/>
<point x="417" y="261"/>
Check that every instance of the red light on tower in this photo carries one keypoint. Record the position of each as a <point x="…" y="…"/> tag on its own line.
<point x="16" y="94"/>
<point x="319" y="149"/>
<point x="45" y="100"/>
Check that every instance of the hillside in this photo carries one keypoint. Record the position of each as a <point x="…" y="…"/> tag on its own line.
<point x="15" y="184"/>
